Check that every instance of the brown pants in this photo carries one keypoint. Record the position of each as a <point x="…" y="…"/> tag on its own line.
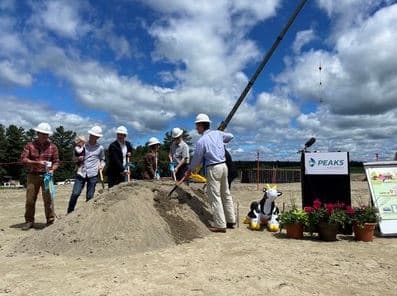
<point x="34" y="183"/>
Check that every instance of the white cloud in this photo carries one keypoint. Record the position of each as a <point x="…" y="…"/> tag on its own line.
<point x="10" y="74"/>
<point x="61" y="17"/>
<point x="118" y="44"/>
<point x="301" y="39"/>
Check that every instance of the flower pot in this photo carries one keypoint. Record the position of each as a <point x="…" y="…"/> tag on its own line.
<point x="294" y="230"/>
<point x="365" y="232"/>
<point x="327" y="232"/>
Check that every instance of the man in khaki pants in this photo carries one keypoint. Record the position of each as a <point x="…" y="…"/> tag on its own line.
<point x="210" y="149"/>
<point x="39" y="157"/>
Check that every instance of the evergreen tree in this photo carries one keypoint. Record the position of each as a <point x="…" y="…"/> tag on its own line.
<point x="3" y="149"/>
<point x="15" y="142"/>
<point x="168" y="140"/>
<point x="30" y="135"/>
<point x="63" y="139"/>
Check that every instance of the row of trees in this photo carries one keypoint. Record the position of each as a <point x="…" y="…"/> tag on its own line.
<point x="14" y="138"/>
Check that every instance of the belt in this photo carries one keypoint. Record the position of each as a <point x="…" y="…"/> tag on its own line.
<point x="213" y="164"/>
<point x="37" y="173"/>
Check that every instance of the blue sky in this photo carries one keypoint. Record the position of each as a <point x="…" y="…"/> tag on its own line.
<point x="153" y="65"/>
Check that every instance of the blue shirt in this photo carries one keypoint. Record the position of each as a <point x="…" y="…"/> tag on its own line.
<point x="210" y="148"/>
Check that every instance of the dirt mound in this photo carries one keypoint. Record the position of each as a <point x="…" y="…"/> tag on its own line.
<point x="130" y="218"/>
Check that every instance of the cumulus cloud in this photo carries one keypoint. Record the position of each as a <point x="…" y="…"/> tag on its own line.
<point x="11" y="75"/>
<point x="301" y="39"/>
<point x="28" y="114"/>
<point x="61" y="17"/>
<point x="359" y="75"/>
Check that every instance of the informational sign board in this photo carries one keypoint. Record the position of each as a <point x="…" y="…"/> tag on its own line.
<point x="326" y="163"/>
<point x="382" y="181"/>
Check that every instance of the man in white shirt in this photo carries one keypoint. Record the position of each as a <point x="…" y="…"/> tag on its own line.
<point x="210" y="149"/>
<point x="93" y="160"/>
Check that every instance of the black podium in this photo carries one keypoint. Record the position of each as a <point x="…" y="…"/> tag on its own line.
<point x="325" y="176"/>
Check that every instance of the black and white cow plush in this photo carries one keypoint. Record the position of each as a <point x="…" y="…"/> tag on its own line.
<point x="265" y="211"/>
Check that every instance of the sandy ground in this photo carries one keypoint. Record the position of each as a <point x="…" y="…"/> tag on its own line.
<point x="240" y="262"/>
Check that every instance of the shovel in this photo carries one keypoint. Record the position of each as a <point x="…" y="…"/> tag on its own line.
<point x="101" y="178"/>
<point x="176" y="186"/>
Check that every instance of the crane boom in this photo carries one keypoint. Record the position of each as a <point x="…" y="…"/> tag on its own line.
<point x="266" y="58"/>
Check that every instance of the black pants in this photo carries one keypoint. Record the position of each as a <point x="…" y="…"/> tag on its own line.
<point x="115" y="179"/>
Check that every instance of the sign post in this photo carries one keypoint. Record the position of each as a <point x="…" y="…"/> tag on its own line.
<point x="382" y="182"/>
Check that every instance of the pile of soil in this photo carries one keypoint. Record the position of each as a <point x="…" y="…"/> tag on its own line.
<point x="129" y="218"/>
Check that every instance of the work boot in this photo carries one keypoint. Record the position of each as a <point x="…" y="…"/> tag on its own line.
<point x="230" y="225"/>
<point x="50" y="222"/>
<point x="27" y="226"/>
<point x="217" y="229"/>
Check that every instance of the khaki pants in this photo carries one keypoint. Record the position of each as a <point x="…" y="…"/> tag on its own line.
<point x="34" y="183"/>
<point x="220" y="199"/>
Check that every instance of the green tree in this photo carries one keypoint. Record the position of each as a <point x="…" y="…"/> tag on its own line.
<point x="63" y="139"/>
<point x="3" y="149"/>
<point x="168" y="140"/>
<point x="30" y="135"/>
<point x="15" y="142"/>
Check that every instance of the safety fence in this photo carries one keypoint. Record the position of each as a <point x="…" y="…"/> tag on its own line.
<point x="275" y="175"/>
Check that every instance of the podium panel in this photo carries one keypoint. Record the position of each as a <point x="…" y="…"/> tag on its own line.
<point x="325" y="176"/>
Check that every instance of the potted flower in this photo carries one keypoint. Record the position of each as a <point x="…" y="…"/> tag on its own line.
<point x="364" y="221"/>
<point x="294" y="220"/>
<point x="327" y="219"/>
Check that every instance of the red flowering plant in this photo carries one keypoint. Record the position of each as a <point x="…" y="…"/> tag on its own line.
<point x="331" y="213"/>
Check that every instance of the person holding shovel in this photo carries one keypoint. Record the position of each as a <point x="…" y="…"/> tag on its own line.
<point x="40" y="157"/>
<point x="119" y="156"/>
<point x="210" y="150"/>
<point x="179" y="154"/>
<point x="150" y="170"/>
<point x="93" y="160"/>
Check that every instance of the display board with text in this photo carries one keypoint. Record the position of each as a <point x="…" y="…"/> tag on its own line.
<point x="382" y="182"/>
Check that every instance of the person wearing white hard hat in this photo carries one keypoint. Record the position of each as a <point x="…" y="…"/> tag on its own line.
<point x="119" y="154"/>
<point x="150" y="170"/>
<point x="93" y="160"/>
<point x="39" y="157"/>
<point x="210" y="150"/>
<point x="179" y="154"/>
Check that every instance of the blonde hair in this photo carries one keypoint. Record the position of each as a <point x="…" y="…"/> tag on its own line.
<point x="79" y="139"/>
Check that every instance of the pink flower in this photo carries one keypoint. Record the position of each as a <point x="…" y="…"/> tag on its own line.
<point x="330" y="208"/>
<point x="308" y="209"/>
<point x="349" y="210"/>
<point x="316" y="204"/>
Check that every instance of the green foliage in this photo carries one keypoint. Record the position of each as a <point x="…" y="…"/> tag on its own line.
<point x="168" y="140"/>
<point x="63" y="139"/>
<point x="365" y="214"/>
<point x="3" y="150"/>
<point x="15" y="142"/>
<point x="294" y="216"/>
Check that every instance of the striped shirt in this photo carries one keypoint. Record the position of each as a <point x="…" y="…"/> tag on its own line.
<point x="39" y="152"/>
<point x="94" y="159"/>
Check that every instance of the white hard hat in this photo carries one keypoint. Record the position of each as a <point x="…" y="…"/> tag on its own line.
<point x="153" y="141"/>
<point x="176" y="132"/>
<point x="43" y="128"/>
<point x="202" y="118"/>
<point x="96" y="131"/>
<point x="122" y="130"/>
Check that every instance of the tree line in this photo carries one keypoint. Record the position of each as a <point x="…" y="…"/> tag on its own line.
<point x="14" y="138"/>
